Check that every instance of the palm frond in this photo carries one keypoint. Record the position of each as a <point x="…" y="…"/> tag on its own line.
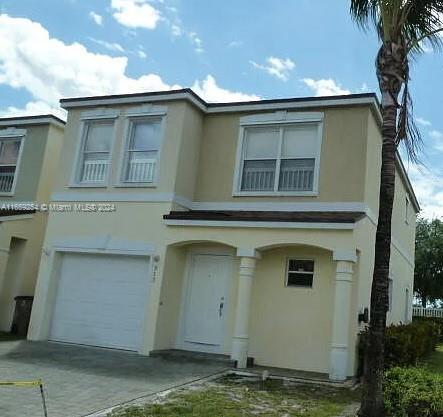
<point x="424" y="22"/>
<point x="365" y="12"/>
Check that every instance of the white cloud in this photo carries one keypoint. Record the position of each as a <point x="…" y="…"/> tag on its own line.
<point x="428" y="187"/>
<point x="423" y="122"/>
<point x="437" y="137"/>
<point x="325" y="87"/>
<point x="235" y="44"/>
<point x="98" y="19"/>
<point x="142" y="54"/>
<point x="176" y="30"/>
<point x="210" y="91"/>
<point x="50" y="69"/>
<point x="111" y="46"/>
<point x="135" y="13"/>
<point x="197" y="42"/>
<point x="436" y="134"/>
<point x="33" y="108"/>
<point x="278" y="67"/>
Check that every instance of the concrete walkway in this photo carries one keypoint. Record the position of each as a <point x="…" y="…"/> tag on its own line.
<point x="83" y="380"/>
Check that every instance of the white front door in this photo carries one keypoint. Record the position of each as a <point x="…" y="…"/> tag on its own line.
<point x="206" y="299"/>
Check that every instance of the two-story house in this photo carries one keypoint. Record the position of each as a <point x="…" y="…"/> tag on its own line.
<point x="29" y="151"/>
<point x="245" y="229"/>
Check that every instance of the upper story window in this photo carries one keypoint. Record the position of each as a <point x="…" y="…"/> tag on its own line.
<point x="142" y="151"/>
<point x="281" y="159"/>
<point x="9" y="155"/>
<point x="96" y="152"/>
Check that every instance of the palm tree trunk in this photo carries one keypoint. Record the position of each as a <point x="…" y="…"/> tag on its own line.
<point x="390" y="85"/>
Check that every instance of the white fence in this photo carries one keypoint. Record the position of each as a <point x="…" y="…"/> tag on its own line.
<point x="141" y="170"/>
<point x="6" y="181"/>
<point x="95" y="171"/>
<point x="291" y="179"/>
<point x="427" y="312"/>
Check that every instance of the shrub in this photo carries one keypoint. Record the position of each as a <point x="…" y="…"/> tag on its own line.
<point x="413" y="392"/>
<point x="406" y="344"/>
<point x="437" y="320"/>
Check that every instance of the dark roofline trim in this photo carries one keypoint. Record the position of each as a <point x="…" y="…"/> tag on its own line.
<point x="188" y="95"/>
<point x="38" y="119"/>
<point x="184" y="91"/>
<point x="262" y="216"/>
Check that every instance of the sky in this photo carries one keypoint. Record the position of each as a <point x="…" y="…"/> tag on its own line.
<point x="228" y="50"/>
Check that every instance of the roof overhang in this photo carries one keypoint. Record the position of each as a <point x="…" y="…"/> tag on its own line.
<point x="267" y="219"/>
<point x="32" y="121"/>
<point x="7" y="214"/>
<point x="188" y="95"/>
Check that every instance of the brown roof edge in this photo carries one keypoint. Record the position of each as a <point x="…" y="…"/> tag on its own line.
<point x="11" y="212"/>
<point x="267" y="216"/>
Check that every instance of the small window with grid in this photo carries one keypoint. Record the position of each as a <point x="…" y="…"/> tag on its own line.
<point x="300" y="273"/>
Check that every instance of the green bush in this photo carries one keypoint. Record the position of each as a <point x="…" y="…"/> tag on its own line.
<point x="406" y="344"/>
<point x="413" y="392"/>
<point x="437" y="320"/>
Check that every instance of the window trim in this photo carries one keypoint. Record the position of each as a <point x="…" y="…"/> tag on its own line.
<point x="9" y="134"/>
<point x="85" y="121"/>
<point x="390" y="293"/>
<point x="292" y="258"/>
<point x="278" y="119"/>
<point x="130" y="120"/>
<point x="407" y="209"/>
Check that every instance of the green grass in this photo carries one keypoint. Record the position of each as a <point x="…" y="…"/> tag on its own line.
<point x="435" y="361"/>
<point x="231" y="398"/>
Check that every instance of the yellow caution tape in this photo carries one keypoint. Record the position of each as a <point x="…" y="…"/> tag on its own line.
<point x="23" y="384"/>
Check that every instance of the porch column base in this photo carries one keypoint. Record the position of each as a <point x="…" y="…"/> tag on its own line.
<point x="339" y="363"/>
<point x="240" y="351"/>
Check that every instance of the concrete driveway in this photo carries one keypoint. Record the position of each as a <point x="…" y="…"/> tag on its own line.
<point x="82" y="380"/>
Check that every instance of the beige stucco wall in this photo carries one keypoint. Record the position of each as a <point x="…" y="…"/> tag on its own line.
<point x="291" y="327"/>
<point x="166" y="292"/>
<point x="19" y="263"/>
<point x="28" y="173"/>
<point x="341" y="177"/>
<point x="170" y="153"/>
<point x="198" y="163"/>
<point x="403" y="233"/>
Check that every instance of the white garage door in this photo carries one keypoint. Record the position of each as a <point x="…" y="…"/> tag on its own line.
<point x="101" y="300"/>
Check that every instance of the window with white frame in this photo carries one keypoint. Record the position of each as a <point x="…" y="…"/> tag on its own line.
<point x="300" y="273"/>
<point x="142" y="151"/>
<point x="9" y="152"/>
<point x="279" y="158"/>
<point x="390" y="293"/>
<point x="96" y="151"/>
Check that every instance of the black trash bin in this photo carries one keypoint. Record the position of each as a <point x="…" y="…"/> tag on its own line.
<point x="22" y="315"/>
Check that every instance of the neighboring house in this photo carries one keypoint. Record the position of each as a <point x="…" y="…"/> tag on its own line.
<point x="244" y="229"/>
<point x="29" y="152"/>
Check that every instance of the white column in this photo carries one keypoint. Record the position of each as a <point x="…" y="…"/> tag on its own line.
<point x="339" y="355"/>
<point x="240" y="340"/>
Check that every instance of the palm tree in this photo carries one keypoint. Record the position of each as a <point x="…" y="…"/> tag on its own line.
<point x="402" y="26"/>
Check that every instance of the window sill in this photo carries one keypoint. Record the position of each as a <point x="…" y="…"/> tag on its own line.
<point x="275" y="194"/>
<point x="7" y="194"/>
<point x="136" y="185"/>
<point x="88" y="186"/>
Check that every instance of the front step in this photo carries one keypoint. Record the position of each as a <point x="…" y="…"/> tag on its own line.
<point x="186" y="355"/>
